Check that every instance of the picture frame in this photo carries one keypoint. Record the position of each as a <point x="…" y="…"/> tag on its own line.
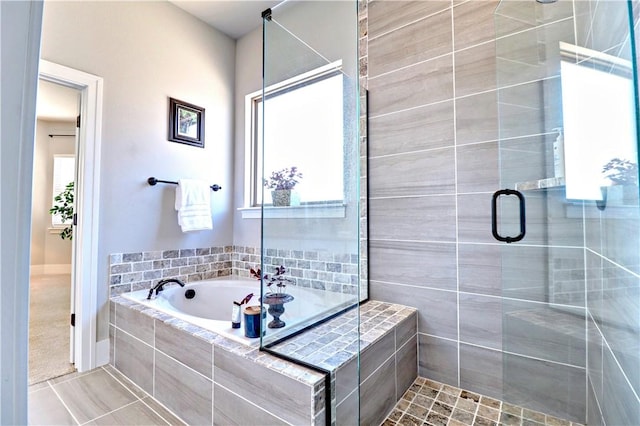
<point x="186" y="123"/>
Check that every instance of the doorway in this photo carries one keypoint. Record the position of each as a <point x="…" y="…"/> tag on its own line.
<point x="87" y="352"/>
<point x="50" y="283"/>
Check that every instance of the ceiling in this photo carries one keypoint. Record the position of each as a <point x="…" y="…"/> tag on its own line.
<point x="233" y="17"/>
<point x="56" y="102"/>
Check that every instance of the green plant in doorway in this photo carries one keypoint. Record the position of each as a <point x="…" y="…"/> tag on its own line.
<point x="63" y="206"/>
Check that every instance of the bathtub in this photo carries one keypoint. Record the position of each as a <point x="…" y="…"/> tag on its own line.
<point x="211" y="306"/>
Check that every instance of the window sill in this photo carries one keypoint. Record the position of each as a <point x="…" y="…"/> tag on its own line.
<point x="57" y="229"/>
<point x="327" y="211"/>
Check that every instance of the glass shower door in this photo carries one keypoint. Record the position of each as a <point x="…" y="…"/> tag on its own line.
<point x="568" y="146"/>
<point x="307" y="181"/>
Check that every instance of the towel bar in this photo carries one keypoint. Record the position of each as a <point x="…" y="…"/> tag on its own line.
<point x="152" y="181"/>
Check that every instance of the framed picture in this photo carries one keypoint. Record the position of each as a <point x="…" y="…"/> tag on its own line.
<point x="186" y="123"/>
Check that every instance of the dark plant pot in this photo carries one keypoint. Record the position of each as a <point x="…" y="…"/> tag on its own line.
<point x="276" y="307"/>
<point x="281" y="197"/>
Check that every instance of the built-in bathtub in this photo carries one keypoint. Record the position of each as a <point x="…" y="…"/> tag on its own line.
<point x="211" y="306"/>
<point x="208" y="377"/>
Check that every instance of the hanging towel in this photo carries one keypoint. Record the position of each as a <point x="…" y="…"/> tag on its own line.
<point x="193" y="203"/>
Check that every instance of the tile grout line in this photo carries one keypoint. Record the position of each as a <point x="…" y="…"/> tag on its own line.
<point x="110" y="412"/>
<point x="63" y="402"/>
<point x="456" y="188"/>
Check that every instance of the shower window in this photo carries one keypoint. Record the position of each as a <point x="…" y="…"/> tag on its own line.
<point x="306" y="118"/>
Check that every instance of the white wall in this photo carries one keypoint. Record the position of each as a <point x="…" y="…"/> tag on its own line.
<point x="48" y="248"/>
<point x="147" y="52"/>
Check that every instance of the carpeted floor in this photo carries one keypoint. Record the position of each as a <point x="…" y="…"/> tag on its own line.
<point x="49" y="310"/>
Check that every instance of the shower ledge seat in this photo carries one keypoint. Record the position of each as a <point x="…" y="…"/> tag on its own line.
<point x="205" y="378"/>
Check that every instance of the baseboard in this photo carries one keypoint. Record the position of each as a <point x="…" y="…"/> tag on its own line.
<point x="61" y="268"/>
<point x="102" y="352"/>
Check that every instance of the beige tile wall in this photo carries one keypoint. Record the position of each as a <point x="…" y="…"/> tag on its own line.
<point x="433" y="165"/>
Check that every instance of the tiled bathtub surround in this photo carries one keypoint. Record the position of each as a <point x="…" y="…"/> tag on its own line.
<point x="205" y="378"/>
<point x="217" y="377"/>
<point x="314" y="269"/>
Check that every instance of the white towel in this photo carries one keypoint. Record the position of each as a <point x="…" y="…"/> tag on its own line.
<point x="193" y="203"/>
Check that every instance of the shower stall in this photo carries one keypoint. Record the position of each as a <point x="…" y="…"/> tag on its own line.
<point x="568" y="217"/>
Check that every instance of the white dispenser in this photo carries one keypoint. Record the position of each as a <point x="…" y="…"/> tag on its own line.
<point x="558" y="154"/>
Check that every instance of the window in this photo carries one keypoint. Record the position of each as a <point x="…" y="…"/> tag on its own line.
<point x="304" y="128"/>
<point x="64" y="167"/>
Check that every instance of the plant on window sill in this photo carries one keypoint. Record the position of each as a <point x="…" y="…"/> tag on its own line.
<point x="282" y="182"/>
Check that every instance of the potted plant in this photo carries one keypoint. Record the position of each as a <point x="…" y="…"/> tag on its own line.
<point x="621" y="172"/>
<point x="623" y="175"/>
<point x="282" y="182"/>
<point x="277" y="296"/>
<point x="64" y="207"/>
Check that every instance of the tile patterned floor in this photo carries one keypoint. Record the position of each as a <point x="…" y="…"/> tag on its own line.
<point x="429" y="403"/>
<point x="98" y="397"/>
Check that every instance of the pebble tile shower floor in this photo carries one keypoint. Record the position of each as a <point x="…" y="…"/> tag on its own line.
<point x="429" y="403"/>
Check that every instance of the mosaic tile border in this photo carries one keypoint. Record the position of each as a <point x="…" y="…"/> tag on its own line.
<point x="431" y="403"/>
<point x="321" y="270"/>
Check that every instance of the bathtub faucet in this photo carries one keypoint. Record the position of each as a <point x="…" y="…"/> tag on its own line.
<point x="159" y="287"/>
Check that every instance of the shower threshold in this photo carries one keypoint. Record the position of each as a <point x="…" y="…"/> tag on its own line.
<point x="428" y="402"/>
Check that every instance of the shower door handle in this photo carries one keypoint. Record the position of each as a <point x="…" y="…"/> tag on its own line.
<point x="494" y="215"/>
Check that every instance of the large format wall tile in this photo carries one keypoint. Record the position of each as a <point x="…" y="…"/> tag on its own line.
<point x="230" y="409"/>
<point x="426" y="127"/>
<point x="620" y="406"/>
<point x="474" y="23"/>
<point x="476" y="69"/>
<point x="474" y="218"/>
<point x="421" y="40"/>
<point x="266" y="388"/>
<point x="481" y="370"/>
<point x="183" y="391"/>
<point x="594" y="416"/>
<point x="187" y="349"/>
<point x="385" y="16"/>
<point x="437" y="261"/>
<point x="406" y="366"/>
<point x="135" y="323"/>
<point x="621" y="324"/>
<point x="477" y="118"/>
<point x="418" y="173"/>
<point x="135" y="360"/>
<point x="479" y="268"/>
<point x="553" y="333"/>
<point x="428" y="218"/>
<point x="406" y="330"/>
<point x="373" y="356"/>
<point x="438" y="359"/>
<point x="481" y="320"/>
<point x="478" y="167"/>
<point x="425" y="83"/>
<point x="437" y="309"/>
<point x="377" y="394"/>
<point x="543" y="386"/>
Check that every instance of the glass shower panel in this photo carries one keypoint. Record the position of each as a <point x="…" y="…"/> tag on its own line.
<point x="568" y="144"/>
<point x="308" y="185"/>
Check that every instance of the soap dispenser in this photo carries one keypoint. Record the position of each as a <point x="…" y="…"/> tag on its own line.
<point x="558" y="154"/>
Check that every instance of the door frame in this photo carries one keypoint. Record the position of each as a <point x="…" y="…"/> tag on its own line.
<point x="85" y="237"/>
